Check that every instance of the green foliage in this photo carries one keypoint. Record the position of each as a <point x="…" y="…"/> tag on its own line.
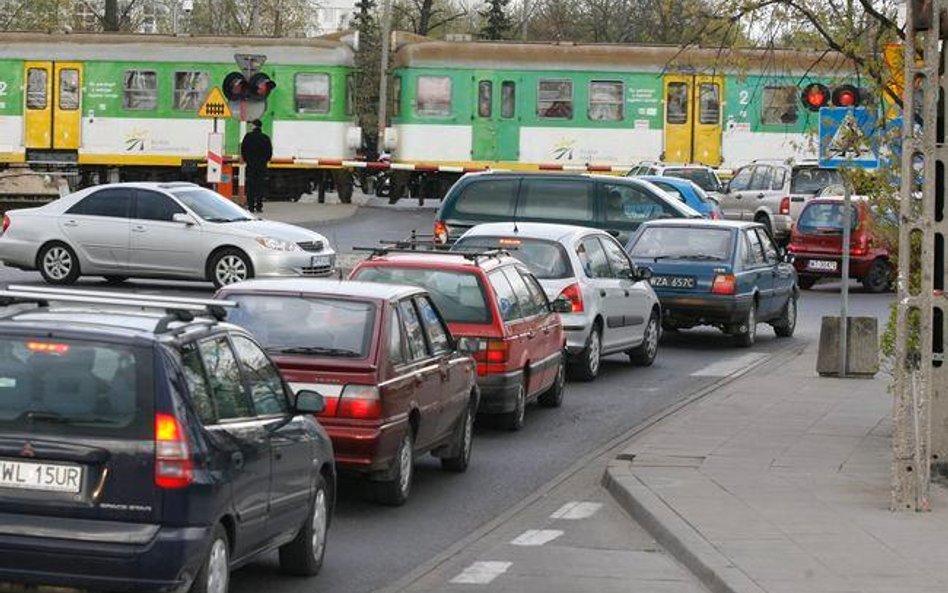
<point x="496" y="20"/>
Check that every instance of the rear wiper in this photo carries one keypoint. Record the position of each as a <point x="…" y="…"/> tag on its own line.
<point x="57" y="418"/>
<point x="701" y="257"/>
<point x="318" y="350"/>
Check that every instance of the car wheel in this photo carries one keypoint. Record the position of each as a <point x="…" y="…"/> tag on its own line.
<point x="879" y="277"/>
<point x="395" y="491"/>
<point x="785" y="326"/>
<point x="669" y="327"/>
<point x="644" y="354"/>
<point x="587" y="366"/>
<point x="214" y="574"/>
<point x="304" y="555"/>
<point x="747" y="330"/>
<point x="58" y="264"/>
<point x="463" y="445"/>
<point x="229" y="266"/>
<point x="807" y="282"/>
<point x="514" y="420"/>
<point x="114" y="280"/>
<point x="553" y="397"/>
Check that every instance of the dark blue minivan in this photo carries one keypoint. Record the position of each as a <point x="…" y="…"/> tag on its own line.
<point x="150" y="452"/>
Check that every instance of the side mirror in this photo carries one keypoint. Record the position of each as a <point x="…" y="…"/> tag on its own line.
<point x="183" y="218"/>
<point x="642" y="273"/>
<point x="468" y="345"/>
<point x="309" y="402"/>
<point x="562" y="305"/>
<point x="787" y="257"/>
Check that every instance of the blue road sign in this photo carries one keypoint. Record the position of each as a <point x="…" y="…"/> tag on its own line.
<point x="848" y="138"/>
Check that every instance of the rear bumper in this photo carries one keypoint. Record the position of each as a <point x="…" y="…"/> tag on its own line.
<point x="705" y="309"/>
<point x="858" y="266"/>
<point x="499" y="392"/>
<point x="364" y="448"/>
<point x="15" y="253"/>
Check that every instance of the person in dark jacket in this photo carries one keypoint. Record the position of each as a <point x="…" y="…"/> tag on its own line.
<point x="256" y="150"/>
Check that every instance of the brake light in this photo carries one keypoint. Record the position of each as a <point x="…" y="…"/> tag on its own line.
<point x="785" y="205"/>
<point x="361" y="402"/>
<point x="6" y="224"/>
<point x="715" y="215"/>
<point x="861" y="246"/>
<point x="47" y="347"/>
<point x="724" y="284"/>
<point x="173" y="466"/>
<point x="574" y="295"/>
<point x="492" y="357"/>
<point x="440" y="233"/>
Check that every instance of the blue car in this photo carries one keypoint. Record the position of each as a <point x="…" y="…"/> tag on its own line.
<point x="726" y="274"/>
<point x="688" y="192"/>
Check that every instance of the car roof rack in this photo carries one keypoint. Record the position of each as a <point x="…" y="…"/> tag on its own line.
<point x="468" y="255"/>
<point x="176" y="308"/>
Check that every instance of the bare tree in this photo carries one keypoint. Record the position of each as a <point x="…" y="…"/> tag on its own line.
<point x="426" y="16"/>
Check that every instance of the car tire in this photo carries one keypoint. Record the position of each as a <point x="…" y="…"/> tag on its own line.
<point x="807" y="282"/>
<point x="670" y="327"/>
<point x="115" y="280"/>
<point x="645" y="353"/>
<point x="553" y="397"/>
<point x="394" y="492"/>
<point x="214" y="574"/>
<point x="878" y="278"/>
<point x="590" y="359"/>
<point x="228" y="266"/>
<point x="787" y="323"/>
<point x="463" y="445"/>
<point x="765" y="220"/>
<point x="58" y="264"/>
<point x="747" y="330"/>
<point x="514" y="421"/>
<point x="304" y="555"/>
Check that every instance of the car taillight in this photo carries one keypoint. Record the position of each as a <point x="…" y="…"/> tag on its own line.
<point x="785" y="205"/>
<point x="715" y="215"/>
<point x="173" y="466"/>
<point x="361" y="402"/>
<point x="574" y="295"/>
<point x="6" y="224"/>
<point x="440" y="233"/>
<point x="861" y="246"/>
<point x="724" y="284"/>
<point x="492" y="357"/>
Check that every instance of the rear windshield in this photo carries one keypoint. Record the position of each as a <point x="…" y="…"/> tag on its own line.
<point x="285" y="324"/>
<point x="667" y="242"/>
<point x="826" y="217"/>
<point x="73" y="387"/>
<point x="458" y="295"/>
<point x="546" y="259"/>
<point x="701" y="177"/>
<point x="811" y="180"/>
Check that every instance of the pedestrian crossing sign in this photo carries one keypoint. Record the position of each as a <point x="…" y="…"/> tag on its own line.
<point x="215" y="105"/>
<point x="848" y="138"/>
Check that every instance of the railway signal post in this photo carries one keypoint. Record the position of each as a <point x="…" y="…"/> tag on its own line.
<point x="247" y="92"/>
<point x="215" y="107"/>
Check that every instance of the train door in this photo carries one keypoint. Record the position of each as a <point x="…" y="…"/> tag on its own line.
<point x="693" y="119"/>
<point x="53" y="105"/>
<point x="496" y="130"/>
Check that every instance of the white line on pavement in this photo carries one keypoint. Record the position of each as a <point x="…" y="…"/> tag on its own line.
<point x="577" y="510"/>
<point x="536" y="537"/>
<point x="728" y="366"/>
<point x="481" y="573"/>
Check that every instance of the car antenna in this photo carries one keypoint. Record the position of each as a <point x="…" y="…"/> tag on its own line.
<point x="516" y="230"/>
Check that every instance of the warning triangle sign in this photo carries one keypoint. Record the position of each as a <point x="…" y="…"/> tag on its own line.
<point x="849" y="141"/>
<point x="215" y="105"/>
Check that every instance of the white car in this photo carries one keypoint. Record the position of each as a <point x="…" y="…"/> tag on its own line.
<point x="157" y="230"/>
<point x="614" y="308"/>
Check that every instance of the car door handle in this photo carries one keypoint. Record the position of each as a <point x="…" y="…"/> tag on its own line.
<point x="627" y="293"/>
<point x="531" y="335"/>
<point x="238" y="459"/>
<point x="760" y="196"/>
<point x="547" y="330"/>
<point x="138" y="229"/>
<point x="278" y="454"/>
<point x="70" y="223"/>
<point x="602" y="292"/>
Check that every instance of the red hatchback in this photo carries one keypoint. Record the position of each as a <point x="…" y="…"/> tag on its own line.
<point x="816" y="242"/>
<point x="498" y="310"/>
<point x="385" y="362"/>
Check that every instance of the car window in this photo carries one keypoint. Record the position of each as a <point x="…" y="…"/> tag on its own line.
<point x="747" y="255"/>
<point x="492" y="197"/>
<point x="703" y="178"/>
<point x="527" y="305"/>
<point x="536" y="291"/>
<point x="546" y="259"/>
<point x="770" y="250"/>
<point x="671" y="190"/>
<point x="396" y="345"/>
<point x="417" y="350"/>
<point x="459" y="295"/>
<point x="631" y="205"/>
<point x="111" y="203"/>
<point x="810" y="180"/>
<point x="506" y="299"/>
<point x="434" y="328"/>
<point x="151" y="205"/>
<point x="756" y="249"/>
<point x="228" y="391"/>
<point x="780" y="177"/>
<point x="593" y="258"/>
<point x="826" y="216"/>
<point x="677" y="242"/>
<point x="263" y="379"/>
<point x="556" y="199"/>
<point x="618" y="260"/>
<point x="762" y="178"/>
<point x="196" y="378"/>
<point x="742" y="179"/>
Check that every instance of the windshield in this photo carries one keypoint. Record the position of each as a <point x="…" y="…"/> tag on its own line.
<point x="546" y="259"/>
<point x="211" y="206"/>
<point x="319" y="326"/>
<point x="825" y="217"/>
<point x="458" y="295"/>
<point x="811" y="180"/>
<point x="667" y="242"/>
<point x="703" y="178"/>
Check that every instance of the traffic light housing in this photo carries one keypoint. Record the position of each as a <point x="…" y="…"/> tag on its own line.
<point x="816" y="95"/>
<point x="261" y="86"/>
<point x="237" y="88"/>
<point x="846" y="95"/>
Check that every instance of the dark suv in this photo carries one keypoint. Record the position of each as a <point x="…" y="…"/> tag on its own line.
<point x="150" y="451"/>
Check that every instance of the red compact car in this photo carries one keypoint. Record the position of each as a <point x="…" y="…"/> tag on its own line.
<point x="500" y="314"/>
<point x="383" y="359"/>
<point x="816" y="242"/>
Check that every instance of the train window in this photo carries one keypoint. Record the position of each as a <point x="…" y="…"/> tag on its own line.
<point x="69" y="89"/>
<point x="36" y="79"/>
<point x="396" y="96"/>
<point x="140" y="90"/>
<point x="350" y="94"/>
<point x="555" y="99"/>
<point x="485" y="98"/>
<point x="190" y="90"/>
<point x="709" y="103"/>
<point x="433" y="96"/>
<point x="508" y="99"/>
<point x="606" y="100"/>
<point x="676" y="103"/>
<point x="779" y="105"/>
<point x="312" y="93"/>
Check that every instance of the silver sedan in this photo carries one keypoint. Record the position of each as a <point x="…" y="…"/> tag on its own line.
<point x="157" y="230"/>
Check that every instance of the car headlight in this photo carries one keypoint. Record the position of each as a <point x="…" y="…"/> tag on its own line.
<point x="278" y="244"/>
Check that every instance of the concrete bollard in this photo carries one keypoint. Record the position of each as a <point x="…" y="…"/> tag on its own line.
<point x="862" y="347"/>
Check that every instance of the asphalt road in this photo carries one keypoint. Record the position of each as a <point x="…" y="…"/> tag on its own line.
<point x="371" y="546"/>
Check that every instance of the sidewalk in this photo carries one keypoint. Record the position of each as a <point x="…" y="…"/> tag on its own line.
<point x="779" y="482"/>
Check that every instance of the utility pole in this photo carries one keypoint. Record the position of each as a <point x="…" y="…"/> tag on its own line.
<point x="383" y="71"/>
<point x="525" y="20"/>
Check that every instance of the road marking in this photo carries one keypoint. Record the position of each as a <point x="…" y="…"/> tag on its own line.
<point x="729" y="366"/>
<point x="481" y="573"/>
<point x="536" y="537"/>
<point x="576" y="510"/>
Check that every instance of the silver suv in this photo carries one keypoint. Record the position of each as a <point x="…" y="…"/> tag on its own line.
<point x="774" y="193"/>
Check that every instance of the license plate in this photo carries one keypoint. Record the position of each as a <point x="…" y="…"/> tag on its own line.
<point x="673" y="281"/>
<point x="822" y="264"/>
<point x="320" y="261"/>
<point x="47" y="477"/>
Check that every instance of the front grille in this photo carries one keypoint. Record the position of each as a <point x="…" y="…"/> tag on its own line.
<point x="311" y="245"/>
<point x="316" y="271"/>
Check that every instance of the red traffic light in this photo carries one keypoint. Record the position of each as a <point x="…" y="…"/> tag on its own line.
<point x="260" y="86"/>
<point x="846" y="95"/>
<point x="235" y="86"/>
<point x="814" y="96"/>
